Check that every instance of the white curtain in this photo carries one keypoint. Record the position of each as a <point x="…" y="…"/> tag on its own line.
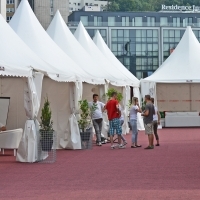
<point x="140" y="123"/>
<point x="125" y="107"/>
<point x="72" y="138"/>
<point x="105" y="126"/>
<point x="28" y="151"/>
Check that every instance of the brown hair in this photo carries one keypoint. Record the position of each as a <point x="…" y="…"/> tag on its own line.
<point x="134" y="99"/>
<point x="152" y="100"/>
<point x="148" y="97"/>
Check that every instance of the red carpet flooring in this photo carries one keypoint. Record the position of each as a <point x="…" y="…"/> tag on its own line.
<point x="171" y="171"/>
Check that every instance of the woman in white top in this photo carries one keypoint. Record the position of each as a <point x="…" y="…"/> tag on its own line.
<point x="156" y="122"/>
<point x="135" y="108"/>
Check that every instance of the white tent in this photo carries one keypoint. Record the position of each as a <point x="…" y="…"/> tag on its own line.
<point x="101" y="61"/>
<point x="173" y="79"/>
<point x="28" y="28"/>
<point x="130" y="78"/>
<point x="17" y="60"/>
<point x="63" y="37"/>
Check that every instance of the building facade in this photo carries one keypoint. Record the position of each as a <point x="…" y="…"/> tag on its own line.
<point x="140" y="40"/>
<point x="76" y="5"/>
<point x="43" y="9"/>
<point x="3" y="8"/>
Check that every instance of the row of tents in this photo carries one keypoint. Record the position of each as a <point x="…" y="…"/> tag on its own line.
<point x="67" y="68"/>
<point x="35" y="63"/>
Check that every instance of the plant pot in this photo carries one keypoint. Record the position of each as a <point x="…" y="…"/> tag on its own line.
<point x="46" y="140"/>
<point x="86" y="139"/>
<point x="85" y="136"/>
<point x="46" y="145"/>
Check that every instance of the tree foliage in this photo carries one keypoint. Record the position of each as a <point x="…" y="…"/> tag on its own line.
<point x="145" y="5"/>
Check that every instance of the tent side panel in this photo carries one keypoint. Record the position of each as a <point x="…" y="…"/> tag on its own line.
<point x="89" y="90"/>
<point x="14" y="88"/>
<point x="195" y="94"/>
<point x="174" y="97"/>
<point x="59" y="97"/>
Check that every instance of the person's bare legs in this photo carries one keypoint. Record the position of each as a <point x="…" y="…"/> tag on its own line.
<point x="111" y="140"/>
<point x="119" y="139"/>
<point x="151" y="138"/>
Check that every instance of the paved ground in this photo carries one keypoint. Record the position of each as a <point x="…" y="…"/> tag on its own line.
<point x="171" y="171"/>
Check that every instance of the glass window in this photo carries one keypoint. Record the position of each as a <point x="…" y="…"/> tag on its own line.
<point x="144" y="33"/>
<point x="171" y="33"/>
<point x="138" y="61"/>
<point x="165" y="33"/>
<point x="198" y="22"/>
<point x="120" y="33"/>
<point x="163" y="21"/>
<point x="155" y="33"/>
<point x="138" y="33"/>
<point x="84" y="20"/>
<point x="151" y="21"/>
<point x="177" y="33"/>
<point x="125" y="21"/>
<point x="126" y="33"/>
<point x="149" y="33"/>
<point x="111" y="21"/>
<point x="138" y="21"/>
<point x="133" y="22"/>
<point x="114" y="33"/>
<point x="149" y="47"/>
<point x="114" y="47"/>
<point x="139" y="75"/>
<point x="103" y="32"/>
<point x="97" y="21"/>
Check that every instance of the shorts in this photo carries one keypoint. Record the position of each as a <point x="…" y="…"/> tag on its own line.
<point x="115" y="124"/>
<point x="148" y="128"/>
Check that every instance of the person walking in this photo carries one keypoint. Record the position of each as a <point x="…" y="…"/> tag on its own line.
<point x="97" y="117"/>
<point x="148" y="120"/>
<point x="122" y="122"/>
<point x="156" y="122"/>
<point x="135" y="108"/>
<point x="114" y="114"/>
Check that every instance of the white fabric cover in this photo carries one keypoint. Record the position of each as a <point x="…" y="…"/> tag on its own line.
<point x="28" y="150"/>
<point x="15" y="56"/>
<point x="140" y="123"/>
<point x="28" y="28"/>
<point x="115" y="77"/>
<point x="182" y="119"/>
<point x="63" y="37"/>
<point x="10" y="139"/>
<point x="130" y="78"/>
<point x="125" y="102"/>
<point x="181" y="66"/>
<point x="72" y="139"/>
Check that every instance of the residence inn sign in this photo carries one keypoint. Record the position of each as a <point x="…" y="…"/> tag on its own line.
<point x="181" y="8"/>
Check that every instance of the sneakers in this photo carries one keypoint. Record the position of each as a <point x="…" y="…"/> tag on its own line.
<point x="124" y="143"/>
<point x="99" y="144"/>
<point x="120" y="146"/>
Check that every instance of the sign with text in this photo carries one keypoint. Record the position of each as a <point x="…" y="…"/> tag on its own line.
<point x="180" y="8"/>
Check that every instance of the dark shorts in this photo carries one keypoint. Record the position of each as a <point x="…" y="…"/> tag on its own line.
<point x="115" y="124"/>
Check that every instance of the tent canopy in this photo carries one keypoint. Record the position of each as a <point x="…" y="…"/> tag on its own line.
<point x="15" y="56"/>
<point x="28" y="28"/>
<point x="183" y="65"/>
<point x="63" y="37"/>
<point x="101" y="61"/>
<point x="131" y="79"/>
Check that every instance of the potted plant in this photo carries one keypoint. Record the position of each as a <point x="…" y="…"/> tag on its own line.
<point x="85" y="120"/>
<point x="109" y="94"/>
<point x="46" y="127"/>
